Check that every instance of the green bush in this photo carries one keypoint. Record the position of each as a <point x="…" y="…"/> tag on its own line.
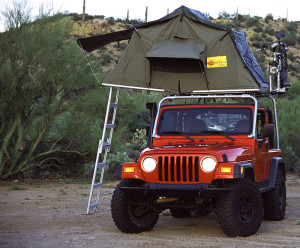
<point x="252" y="21"/>
<point x="292" y="26"/>
<point x="111" y="21"/>
<point x="290" y="37"/>
<point x="269" y="17"/>
<point x="288" y="116"/>
<point x="291" y="56"/>
<point x="107" y="59"/>
<point x="242" y="18"/>
<point x="294" y="67"/>
<point x="257" y="38"/>
<point x="269" y="30"/>
<point x="268" y="39"/>
<point x="258" y="29"/>
<point x="225" y="15"/>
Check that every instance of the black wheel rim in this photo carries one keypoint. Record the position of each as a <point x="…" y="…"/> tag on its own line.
<point x="140" y="212"/>
<point x="246" y="209"/>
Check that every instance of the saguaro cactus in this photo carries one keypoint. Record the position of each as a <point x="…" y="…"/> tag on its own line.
<point x="146" y="14"/>
<point x="83" y="11"/>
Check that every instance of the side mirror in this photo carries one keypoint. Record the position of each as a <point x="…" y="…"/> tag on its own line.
<point x="268" y="130"/>
<point x="151" y="106"/>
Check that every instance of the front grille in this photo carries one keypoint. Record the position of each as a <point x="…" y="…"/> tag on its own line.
<point x="178" y="169"/>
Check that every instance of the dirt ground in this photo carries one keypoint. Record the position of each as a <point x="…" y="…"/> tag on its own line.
<point x="52" y="214"/>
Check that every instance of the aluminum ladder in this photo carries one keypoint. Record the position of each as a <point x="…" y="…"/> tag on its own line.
<point x="103" y="150"/>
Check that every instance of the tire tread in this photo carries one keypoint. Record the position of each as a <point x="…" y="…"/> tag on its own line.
<point x="119" y="209"/>
<point x="224" y="211"/>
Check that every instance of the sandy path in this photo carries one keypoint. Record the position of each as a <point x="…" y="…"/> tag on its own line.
<point x="53" y="215"/>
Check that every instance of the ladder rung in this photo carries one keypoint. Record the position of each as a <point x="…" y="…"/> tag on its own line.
<point x="97" y="185"/>
<point x="113" y="105"/>
<point x="94" y="205"/>
<point x="109" y="125"/>
<point x="92" y="211"/>
<point x="99" y="165"/>
<point x="106" y="145"/>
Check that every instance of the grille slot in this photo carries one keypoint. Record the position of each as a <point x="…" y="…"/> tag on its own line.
<point x="178" y="169"/>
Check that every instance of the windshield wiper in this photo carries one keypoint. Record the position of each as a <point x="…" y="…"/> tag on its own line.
<point x="218" y="132"/>
<point x="177" y="132"/>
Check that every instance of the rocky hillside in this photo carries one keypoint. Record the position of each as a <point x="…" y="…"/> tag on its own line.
<point x="258" y="30"/>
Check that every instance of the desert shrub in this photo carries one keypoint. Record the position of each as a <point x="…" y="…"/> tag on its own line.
<point x="104" y="25"/>
<point x="291" y="56"/>
<point x="89" y="17"/>
<point x="258" y="29"/>
<point x="207" y="15"/>
<point x="107" y="59"/>
<point x="269" y="30"/>
<point x="257" y="38"/>
<point x="294" y="67"/>
<point x="292" y="26"/>
<point x="135" y="21"/>
<point x="101" y="17"/>
<point x="228" y="24"/>
<point x="268" y="39"/>
<point x="269" y="17"/>
<point x="252" y="21"/>
<point x="290" y="37"/>
<point x="288" y="116"/>
<point x="120" y="20"/>
<point x="225" y="15"/>
<point x="121" y="46"/>
<point x="111" y="20"/>
<point x="236" y="23"/>
<point x="242" y="18"/>
<point x="76" y="16"/>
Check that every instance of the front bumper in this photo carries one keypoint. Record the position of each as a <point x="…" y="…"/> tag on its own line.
<point x="176" y="190"/>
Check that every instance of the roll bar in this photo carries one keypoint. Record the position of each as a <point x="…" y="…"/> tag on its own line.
<point x="253" y="134"/>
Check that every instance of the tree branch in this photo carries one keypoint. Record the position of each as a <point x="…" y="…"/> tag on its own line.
<point x="5" y="144"/>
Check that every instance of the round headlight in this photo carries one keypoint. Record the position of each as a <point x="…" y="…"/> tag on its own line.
<point x="149" y="164"/>
<point x="208" y="164"/>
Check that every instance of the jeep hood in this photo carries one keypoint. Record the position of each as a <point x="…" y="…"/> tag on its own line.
<point x="233" y="152"/>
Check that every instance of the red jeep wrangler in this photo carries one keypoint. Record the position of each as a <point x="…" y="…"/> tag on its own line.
<point x="206" y="153"/>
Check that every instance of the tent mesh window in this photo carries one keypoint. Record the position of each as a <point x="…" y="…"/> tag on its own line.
<point x="177" y="65"/>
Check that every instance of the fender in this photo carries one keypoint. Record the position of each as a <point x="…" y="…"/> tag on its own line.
<point x="131" y="171"/>
<point x="240" y="169"/>
<point x="119" y="171"/>
<point x="275" y="166"/>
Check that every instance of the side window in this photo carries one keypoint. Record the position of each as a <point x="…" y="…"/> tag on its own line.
<point x="261" y="120"/>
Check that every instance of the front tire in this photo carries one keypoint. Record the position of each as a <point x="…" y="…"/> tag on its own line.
<point x="132" y="214"/>
<point x="240" y="212"/>
<point x="275" y="200"/>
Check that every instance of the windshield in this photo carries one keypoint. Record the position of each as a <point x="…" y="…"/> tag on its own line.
<point x="202" y="120"/>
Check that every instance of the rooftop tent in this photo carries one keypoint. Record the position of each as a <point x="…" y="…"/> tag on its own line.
<point x="183" y="52"/>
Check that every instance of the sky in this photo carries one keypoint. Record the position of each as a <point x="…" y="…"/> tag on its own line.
<point x="158" y="8"/>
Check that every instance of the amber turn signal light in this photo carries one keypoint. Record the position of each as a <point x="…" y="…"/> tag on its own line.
<point x="128" y="169"/>
<point x="226" y="169"/>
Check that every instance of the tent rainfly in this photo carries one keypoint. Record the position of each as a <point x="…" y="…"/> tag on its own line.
<point x="182" y="53"/>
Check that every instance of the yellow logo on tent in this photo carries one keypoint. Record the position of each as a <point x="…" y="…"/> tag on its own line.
<point x="218" y="61"/>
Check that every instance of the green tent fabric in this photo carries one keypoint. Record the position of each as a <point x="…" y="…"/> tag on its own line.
<point x="183" y="53"/>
